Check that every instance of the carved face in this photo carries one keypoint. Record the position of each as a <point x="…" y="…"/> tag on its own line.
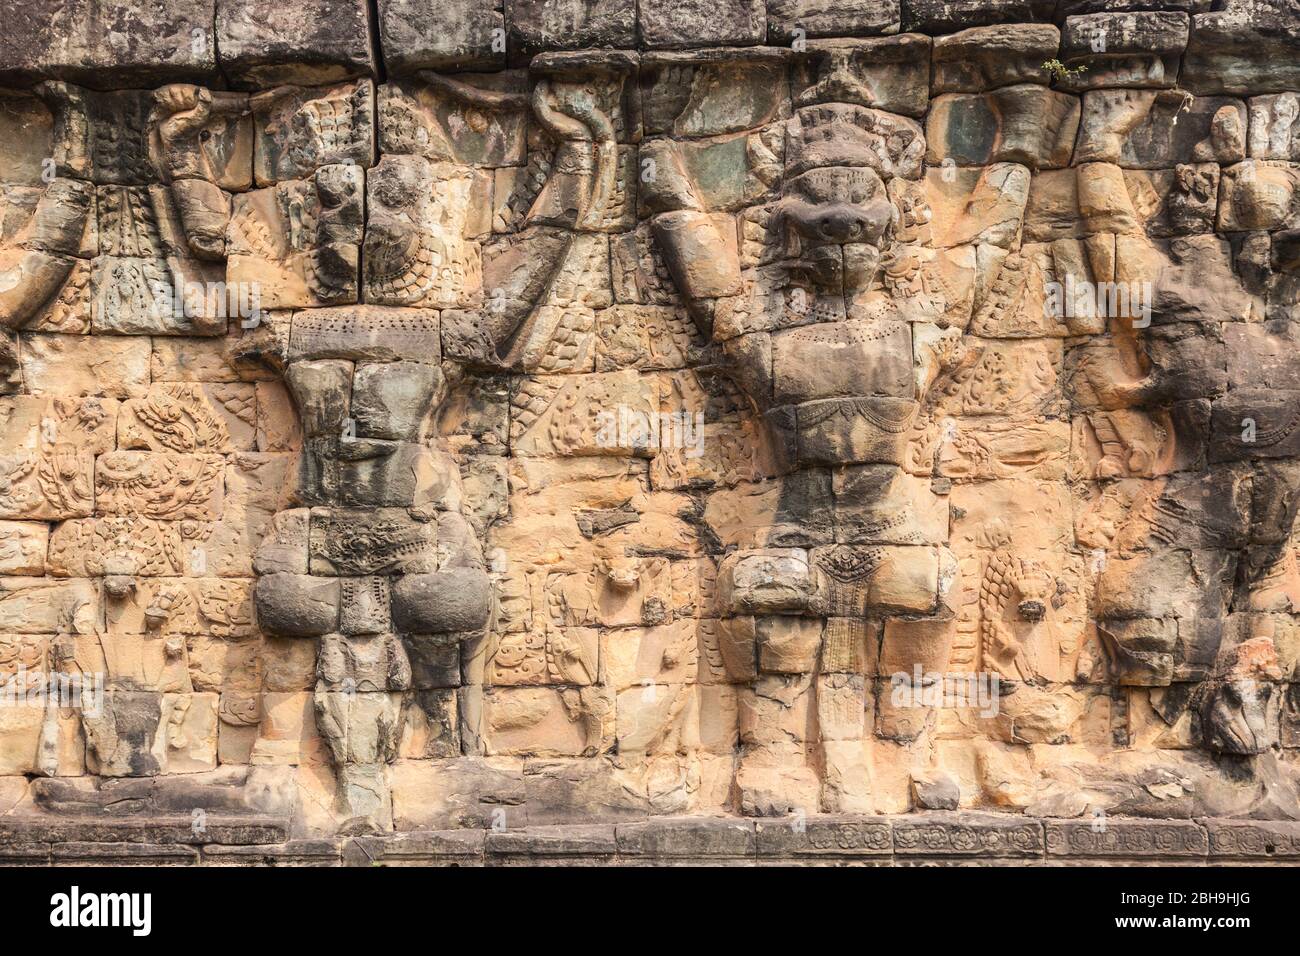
<point x="837" y="216"/>
<point x="415" y="252"/>
<point x="622" y="572"/>
<point x="837" y="220"/>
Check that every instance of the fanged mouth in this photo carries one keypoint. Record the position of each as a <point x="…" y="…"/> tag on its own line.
<point x="838" y="269"/>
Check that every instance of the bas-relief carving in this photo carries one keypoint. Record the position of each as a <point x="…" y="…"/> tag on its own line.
<point x="505" y="308"/>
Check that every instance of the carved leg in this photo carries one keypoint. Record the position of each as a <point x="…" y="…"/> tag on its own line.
<point x="770" y="651"/>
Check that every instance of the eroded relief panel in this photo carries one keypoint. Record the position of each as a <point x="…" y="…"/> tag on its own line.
<point x="831" y="411"/>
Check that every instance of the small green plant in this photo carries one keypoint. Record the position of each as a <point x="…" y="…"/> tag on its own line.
<point x="1060" y="71"/>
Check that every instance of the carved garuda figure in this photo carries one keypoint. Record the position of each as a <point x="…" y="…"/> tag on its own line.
<point x="381" y="561"/>
<point x="881" y="304"/>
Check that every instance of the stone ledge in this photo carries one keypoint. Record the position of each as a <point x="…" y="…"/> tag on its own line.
<point x="962" y="834"/>
<point x="1126" y="839"/>
<point x="25" y="854"/>
<point x="216" y="829"/>
<point x="1252" y="839"/>
<point x="837" y="836"/>
<point x="953" y="839"/>
<point x="586" y="842"/>
<point x="292" y="853"/>
<point x="712" y="838"/>
<point x="417" y="848"/>
<point x="123" y="854"/>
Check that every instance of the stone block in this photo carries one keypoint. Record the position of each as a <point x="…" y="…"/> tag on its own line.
<point x="436" y="35"/>
<point x="536" y="26"/>
<point x="262" y="43"/>
<point x="670" y="24"/>
<point x="106" y="44"/>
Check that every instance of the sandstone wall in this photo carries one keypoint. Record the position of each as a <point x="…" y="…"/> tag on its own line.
<point x="436" y="415"/>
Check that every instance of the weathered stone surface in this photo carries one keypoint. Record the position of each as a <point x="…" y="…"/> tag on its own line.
<point x="817" y="18"/>
<point x="104" y="44"/>
<point x="984" y="58"/>
<point x="665" y="24"/>
<point x="464" y="36"/>
<point x="983" y="834"/>
<point x="1273" y="130"/>
<point x="445" y="848"/>
<point x="795" y="840"/>
<point x="1128" y="839"/>
<point x="592" y="844"/>
<point x="1252" y="840"/>
<point x="274" y="249"/>
<point x="890" y="74"/>
<point x="1123" y="49"/>
<point x="946" y="16"/>
<point x="262" y="44"/>
<point x="1026" y="123"/>
<point x="935" y="791"/>
<point x="669" y="838"/>
<point x="445" y="601"/>
<point x="23" y="546"/>
<point x="878" y="418"/>
<point x="1246" y="46"/>
<point x="870" y="359"/>
<point x="366" y="332"/>
<point x="291" y="853"/>
<point x="1260" y="195"/>
<point x="297" y="605"/>
<point x="823" y="837"/>
<point x="766" y="582"/>
<point x="1149" y="130"/>
<point x="301" y="129"/>
<point x="536" y="25"/>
